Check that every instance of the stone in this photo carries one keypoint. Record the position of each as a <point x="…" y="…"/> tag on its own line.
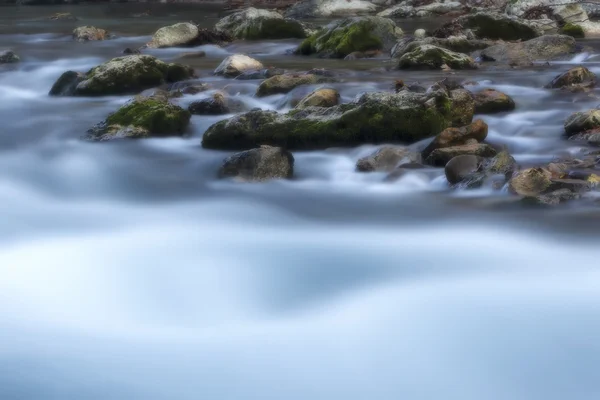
<point x="547" y="47"/>
<point x="415" y="10"/>
<point x="490" y="101"/>
<point x="433" y="57"/>
<point x="329" y="8"/>
<point x="121" y="75"/>
<point x="492" y="25"/>
<point x="459" y="44"/>
<point x="89" y="33"/>
<point x="531" y="182"/>
<point x="573" y="30"/>
<point x="440" y="157"/>
<point x="286" y="83"/>
<point x="192" y="55"/>
<point x="178" y="35"/>
<point x="259" y="165"/>
<point x="462" y="167"/>
<point x="576" y="77"/>
<point x="142" y="118"/>
<point x="450" y="137"/>
<point x="320" y="98"/>
<point x="214" y="105"/>
<point x="553" y="198"/>
<point x="582" y="121"/>
<point x="237" y="64"/>
<point x="9" y="57"/>
<point x="380" y="117"/>
<point x="349" y="35"/>
<point x="386" y="159"/>
<point x="255" y="24"/>
<point x="420" y="34"/>
<point x="63" y="17"/>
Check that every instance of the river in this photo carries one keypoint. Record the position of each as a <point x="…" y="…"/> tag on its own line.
<point x="128" y="271"/>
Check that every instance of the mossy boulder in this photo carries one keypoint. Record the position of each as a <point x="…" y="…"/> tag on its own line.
<point x="582" y="121"/>
<point x="320" y="98"/>
<point x="89" y="33"/>
<point x="427" y="56"/>
<point x="255" y="24"/>
<point x="181" y="34"/>
<point x="490" y="101"/>
<point x="238" y="64"/>
<point x="573" y="30"/>
<point x="374" y="118"/>
<point x="346" y="36"/>
<point x="547" y="47"/>
<point x="8" y="57"/>
<point x="287" y="82"/>
<point x="576" y="77"/>
<point x="459" y="44"/>
<point x="121" y="75"/>
<point x="493" y="25"/>
<point x="259" y="165"/>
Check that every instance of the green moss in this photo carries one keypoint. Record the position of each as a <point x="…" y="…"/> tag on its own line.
<point x="499" y="26"/>
<point x="345" y="39"/>
<point x="156" y="116"/>
<point x="178" y="72"/>
<point x="273" y="28"/>
<point x="572" y="30"/>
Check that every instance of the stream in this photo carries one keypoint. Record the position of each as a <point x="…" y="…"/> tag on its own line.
<point x="129" y="271"/>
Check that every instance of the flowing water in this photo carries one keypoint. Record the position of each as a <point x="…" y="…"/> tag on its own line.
<point x="127" y="271"/>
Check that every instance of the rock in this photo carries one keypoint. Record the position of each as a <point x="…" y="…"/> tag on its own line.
<point x="320" y="98"/>
<point x="440" y="157"/>
<point x="192" y="55"/>
<point x="63" y="17"/>
<point x="141" y="118"/>
<point x="420" y="34"/>
<point x="387" y="159"/>
<point x="210" y="36"/>
<point x="8" y="57"/>
<point x="237" y="64"/>
<point x="286" y="83"/>
<point x="181" y="34"/>
<point x="214" y="105"/>
<point x="88" y="33"/>
<point x="463" y="107"/>
<point x="582" y="121"/>
<point x="461" y="168"/>
<point x="121" y="75"/>
<point x="450" y="137"/>
<point x="531" y="182"/>
<point x="490" y="101"/>
<point x="433" y="57"/>
<point x="572" y="30"/>
<point x="492" y="25"/>
<point x="547" y="47"/>
<point x="190" y="88"/>
<point x="433" y="9"/>
<point x="260" y="73"/>
<point x="359" y="54"/>
<point x="373" y="118"/>
<point x="259" y="165"/>
<point x="577" y="77"/>
<point x="329" y="8"/>
<point x="129" y="51"/>
<point x="458" y="44"/>
<point x="553" y="198"/>
<point x="255" y="24"/>
<point x="342" y="37"/>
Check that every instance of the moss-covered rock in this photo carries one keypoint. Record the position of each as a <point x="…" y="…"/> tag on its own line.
<point x="143" y="117"/>
<point x="346" y="36"/>
<point x="286" y="83"/>
<point x="255" y="24"/>
<point x="433" y="57"/>
<point x="237" y="64"/>
<point x="492" y="25"/>
<point x="181" y="34"/>
<point x="320" y="98"/>
<point x="8" y="57"/>
<point x="582" y="121"/>
<point x="576" y="77"/>
<point x="89" y="33"/>
<point x="121" y="75"/>
<point x="459" y="44"/>
<point x="259" y="165"/>
<point x="373" y="118"/>
<point x="490" y="101"/>
<point x="547" y="47"/>
<point x="573" y="30"/>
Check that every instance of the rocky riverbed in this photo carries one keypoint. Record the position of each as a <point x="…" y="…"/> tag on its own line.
<point x="259" y="196"/>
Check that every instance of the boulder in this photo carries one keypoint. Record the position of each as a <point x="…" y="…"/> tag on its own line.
<point x="142" y="117"/>
<point x="320" y="98"/>
<point x="490" y="101"/>
<point x="236" y="65"/>
<point x="461" y="168"/>
<point x="121" y="75"/>
<point x="386" y="159"/>
<point x="573" y="30"/>
<point x="531" y="182"/>
<point x="494" y="25"/>
<point x="450" y="137"/>
<point x="420" y="34"/>
<point x="373" y="118"/>
<point x="286" y="83"/>
<point x="254" y="24"/>
<point x="181" y="34"/>
<point x="342" y="37"/>
<point x="440" y="157"/>
<point x="582" y="121"/>
<point x="217" y="104"/>
<point x="329" y="8"/>
<point x="577" y="77"/>
<point x="547" y="47"/>
<point x="259" y="165"/>
<point x="8" y="57"/>
<point x="458" y="44"/>
<point x="89" y="33"/>
<point x="433" y="57"/>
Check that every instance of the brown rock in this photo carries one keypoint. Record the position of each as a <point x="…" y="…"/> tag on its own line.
<point x="320" y="98"/>
<point x="387" y="158"/>
<point x="457" y="136"/>
<point x="490" y="101"/>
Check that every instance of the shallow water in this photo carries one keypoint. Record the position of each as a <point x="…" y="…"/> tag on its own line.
<point x="129" y="272"/>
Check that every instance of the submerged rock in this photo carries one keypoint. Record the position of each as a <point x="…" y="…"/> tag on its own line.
<point x="490" y="101"/>
<point x="582" y="121"/>
<point x="141" y="118"/>
<point x="63" y="17"/>
<point x="493" y="25"/>
<point x="217" y="104"/>
<point x="577" y="78"/>
<point x="329" y="8"/>
<point x="320" y="98"/>
<point x="374" y="118"/>
<point x="346" y="36"/>
<point x="433" y="57"/>
<point x="387" y="159"/>
<point x="461" y="168"/>
<point x="286" y="83"/>
<point x="236" y="65"/>
<point x="416" y="9"/>
<point x="8" y="57"/>
<point x="459" y="44"/>
<point x="253" y="24"/>
<point x="121" y="75"/>
<point x="547" y="47"/>
<point x="259" y="165"/>
<point x="89" y="33"/>
<point x="449" y="137"/>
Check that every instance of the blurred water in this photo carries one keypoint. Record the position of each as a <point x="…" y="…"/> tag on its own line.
<point x="127" y="271"/>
